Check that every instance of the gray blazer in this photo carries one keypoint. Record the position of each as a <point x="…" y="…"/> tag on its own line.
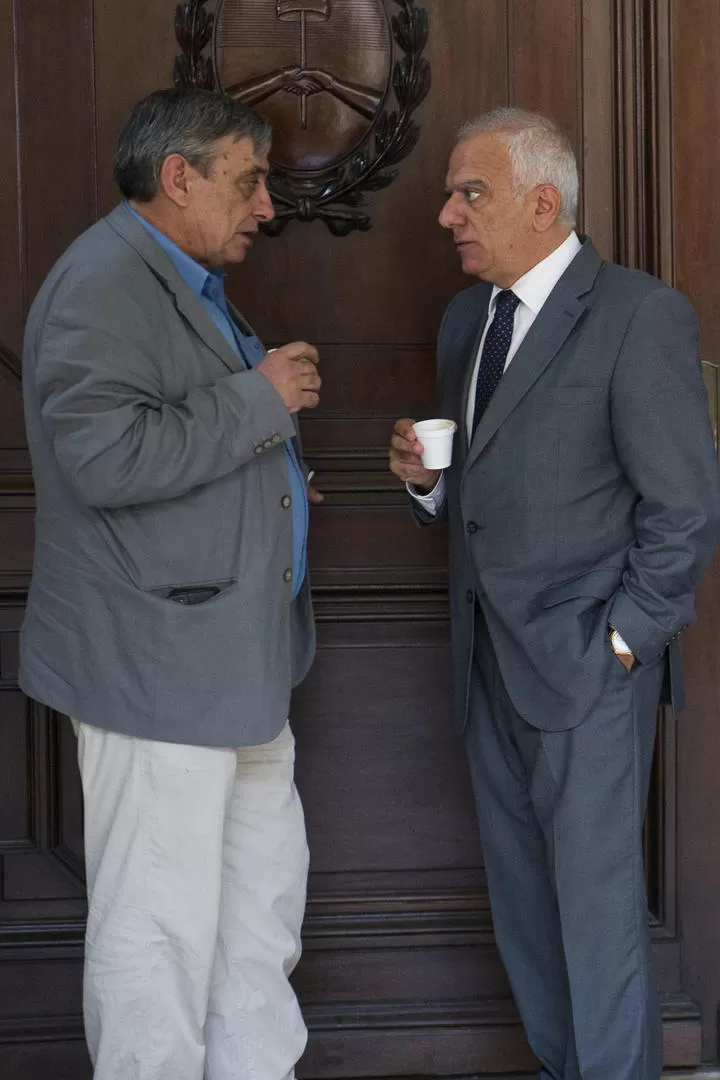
<point x="590" y="494"/>
<point x="158" y="465"/>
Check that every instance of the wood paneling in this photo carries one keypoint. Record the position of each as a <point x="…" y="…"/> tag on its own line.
<point x="55" y="131"/>
<point x="400" y="974"/>
<point x="10" y="210"/>
<point x="545" y="40"/>
<point x="696" y="165"/>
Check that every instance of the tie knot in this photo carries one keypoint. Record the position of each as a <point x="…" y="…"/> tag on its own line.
<point x="507" y="301"/>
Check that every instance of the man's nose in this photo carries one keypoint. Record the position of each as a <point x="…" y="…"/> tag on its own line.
<point x="451" y="213"/>
<point x="264" y="209"/>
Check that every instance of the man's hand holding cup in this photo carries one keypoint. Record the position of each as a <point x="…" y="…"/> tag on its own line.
<point x="292" y="370"/>
<point x="406" y="458"/>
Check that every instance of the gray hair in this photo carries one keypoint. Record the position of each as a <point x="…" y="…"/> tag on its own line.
<point x="539" y="150"/>
<point x="186" y="122"/>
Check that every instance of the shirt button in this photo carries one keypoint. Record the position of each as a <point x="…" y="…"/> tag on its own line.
<point x="470" y="596"/>
<point x="472" y="527"/>
<point x="285" y="501"/>
<point x="287" y="576"/>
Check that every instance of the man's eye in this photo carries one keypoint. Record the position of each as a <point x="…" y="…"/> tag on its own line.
<point x="471" y="195"/>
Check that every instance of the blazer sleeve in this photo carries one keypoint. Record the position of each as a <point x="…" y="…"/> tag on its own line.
<point x="662" y="433"/>
<point x="118" y="441"/>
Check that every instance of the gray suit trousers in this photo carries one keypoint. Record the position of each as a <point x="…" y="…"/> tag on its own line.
<point x="561" y="815"/>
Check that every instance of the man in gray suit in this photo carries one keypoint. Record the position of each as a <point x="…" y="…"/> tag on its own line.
<point x="169" y="613"/>
<point x="584" y="505"/>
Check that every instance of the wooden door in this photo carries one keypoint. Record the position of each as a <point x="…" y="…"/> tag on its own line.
<point x="400" y="975"/>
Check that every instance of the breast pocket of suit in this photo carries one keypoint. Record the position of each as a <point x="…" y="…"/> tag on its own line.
<point x="572" y="395"/>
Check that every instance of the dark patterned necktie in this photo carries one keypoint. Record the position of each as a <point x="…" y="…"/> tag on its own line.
<point x="494" y="351"/>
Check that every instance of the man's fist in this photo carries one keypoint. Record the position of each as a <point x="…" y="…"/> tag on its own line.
<point x="292" y="370"/>
<point x="405" y="451"/>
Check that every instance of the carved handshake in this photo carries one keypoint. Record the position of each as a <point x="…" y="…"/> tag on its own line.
<point x="292" y="370"/>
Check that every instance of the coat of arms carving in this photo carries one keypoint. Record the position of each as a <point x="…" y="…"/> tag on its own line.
<point x="338" y="79"/>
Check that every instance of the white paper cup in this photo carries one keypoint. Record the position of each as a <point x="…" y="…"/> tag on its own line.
<point x="437" y="439"/>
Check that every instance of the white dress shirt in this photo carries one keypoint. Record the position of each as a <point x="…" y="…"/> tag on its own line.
<point x="532" y="290"/>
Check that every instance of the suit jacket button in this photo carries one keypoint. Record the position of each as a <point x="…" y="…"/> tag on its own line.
<point x="470" y="596"/>
<point x="276" y="439"/>
<point x="472" y="527"/>
<point x="287" y="576"/>
<point x="268" y="443"/>
<point x="258" y="450"/>
<point x="285" y="501"/>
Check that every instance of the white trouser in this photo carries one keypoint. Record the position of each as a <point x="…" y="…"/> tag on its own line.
<point x="196" y="874"/>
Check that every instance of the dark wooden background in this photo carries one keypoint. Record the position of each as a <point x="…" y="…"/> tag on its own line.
<point x="400" y="975"/>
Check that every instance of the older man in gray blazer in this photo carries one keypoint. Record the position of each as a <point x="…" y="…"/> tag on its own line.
<point x="584" y="505"/>
<point x="169" y="612"/>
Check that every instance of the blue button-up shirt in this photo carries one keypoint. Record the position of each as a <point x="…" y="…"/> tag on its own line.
<point x="208" y="287"/>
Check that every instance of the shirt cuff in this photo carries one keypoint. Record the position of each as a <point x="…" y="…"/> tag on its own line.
<point x="432" y="501"/>
<point x="620" y="642"/>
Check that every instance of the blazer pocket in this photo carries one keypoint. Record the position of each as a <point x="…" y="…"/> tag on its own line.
<point x="193" y="593"/>
<point x="600" y="584"/>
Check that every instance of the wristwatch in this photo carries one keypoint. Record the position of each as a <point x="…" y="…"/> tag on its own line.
<point x="619" y="646"/>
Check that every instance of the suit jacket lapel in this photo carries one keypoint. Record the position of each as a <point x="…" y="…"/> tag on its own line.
<point x="126" y="225"/>
<point x="556" y="320"/>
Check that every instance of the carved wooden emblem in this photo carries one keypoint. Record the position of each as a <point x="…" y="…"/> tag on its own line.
<point x="329" y="76"/>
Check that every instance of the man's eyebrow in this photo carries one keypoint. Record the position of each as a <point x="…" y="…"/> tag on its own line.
<point x="465" y="185"/>
<point x="254" y="173"/>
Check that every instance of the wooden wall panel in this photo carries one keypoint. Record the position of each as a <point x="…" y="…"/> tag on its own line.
<point x="596" y="132"/>
<point x="11" y="322"/>
<point x="57" y="156"/>
<point x="696" y="161"/>
<point x="696" y="104"/>
<point x="544" y="41"/>
<point x="134" y="50"/>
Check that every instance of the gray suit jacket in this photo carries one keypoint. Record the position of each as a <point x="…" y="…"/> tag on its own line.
<point x="590" y="493"/>
<point x="158" y="464"/>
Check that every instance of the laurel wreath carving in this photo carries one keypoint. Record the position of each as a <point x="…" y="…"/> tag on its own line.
<point x="335" y="195"/>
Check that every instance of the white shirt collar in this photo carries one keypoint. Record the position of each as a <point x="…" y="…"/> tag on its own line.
<point x="534" y="287"/>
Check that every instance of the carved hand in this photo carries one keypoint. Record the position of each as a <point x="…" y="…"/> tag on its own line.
<point x="300" y="82"/>
<point x="322" y="79"/>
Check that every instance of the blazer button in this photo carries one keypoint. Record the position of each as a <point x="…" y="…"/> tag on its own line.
<point x="287" y="576"/>
<point x="285" y="502"/>
<point x="472" y="527"/>
<point x="470" y="596"/>
<point x="276" y="439"/>
<point x="268" y="443"/>
<point x="258" y="450"/>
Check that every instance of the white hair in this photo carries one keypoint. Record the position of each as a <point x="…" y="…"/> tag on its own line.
<point x="540" y="153"/>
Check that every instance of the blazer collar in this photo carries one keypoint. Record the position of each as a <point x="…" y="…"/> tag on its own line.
<point x="126" y="225"/>
<point x="558" y="316"/>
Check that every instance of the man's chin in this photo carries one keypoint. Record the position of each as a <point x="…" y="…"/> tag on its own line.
<point x="237" y="250"/>
<point x="472" y="266"/>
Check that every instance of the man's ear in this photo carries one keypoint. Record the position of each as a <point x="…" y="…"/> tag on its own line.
<point x="547" y="207"/>
<point x="176" y="178"/>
